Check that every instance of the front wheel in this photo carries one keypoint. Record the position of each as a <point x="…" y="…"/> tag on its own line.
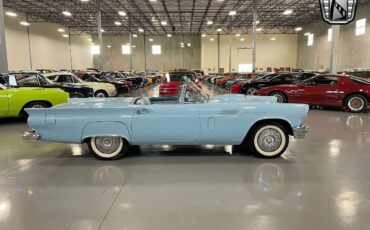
<point x="280" y="97"/>
<point x="268" y="140"/>
<point x="356" y="103"/>
<point x="101" y="93"/>
<point x="108" y="147"/>
<point x="250" y="90"/>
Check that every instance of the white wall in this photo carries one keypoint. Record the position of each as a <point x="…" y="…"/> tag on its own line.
<point x="353" y="50"/>
<point x="48" y="49"/>
<point x="279" y="53"/>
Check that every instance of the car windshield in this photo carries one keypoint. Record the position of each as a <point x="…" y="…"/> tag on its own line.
<point x="190" y="93"/>
<point x="179" y="77"/>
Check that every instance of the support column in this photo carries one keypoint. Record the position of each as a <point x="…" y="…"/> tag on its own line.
<point x="100" y="37"/>
<point x="230" y="50"/>
<point x="3" y="54"/>
<point x="70" y="48"/>
<point x="334" y="49"/>
<point x="144" y="52"/>
<point x="218" y="52"/>
<point x="254" y="45"/>
<point x="130" y="40"/>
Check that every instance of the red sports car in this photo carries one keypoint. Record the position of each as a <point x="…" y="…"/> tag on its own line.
<point x="236" y="87"/>
<point x="325" y="90"/>
<point x="171" y="82"/>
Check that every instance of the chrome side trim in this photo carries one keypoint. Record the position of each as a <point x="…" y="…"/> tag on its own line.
<point x="30" y="135"/>
<point x="301" y="131"/>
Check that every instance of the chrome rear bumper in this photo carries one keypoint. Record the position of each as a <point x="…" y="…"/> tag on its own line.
<point x="301" y="131"/>
<point x="30" y="135"/>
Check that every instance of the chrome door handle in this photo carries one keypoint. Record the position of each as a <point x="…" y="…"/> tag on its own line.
<point x="142" y="111"/>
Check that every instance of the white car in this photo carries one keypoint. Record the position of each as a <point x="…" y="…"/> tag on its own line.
<point x="101" y="89"/>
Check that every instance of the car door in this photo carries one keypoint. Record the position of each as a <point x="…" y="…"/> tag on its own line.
<point x="165" y="124"/>
<point x="321" y="90"/>
<point x="4" y="102"/>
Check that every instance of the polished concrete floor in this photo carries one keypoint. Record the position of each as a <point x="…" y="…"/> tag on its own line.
<point x="322" y="182"/>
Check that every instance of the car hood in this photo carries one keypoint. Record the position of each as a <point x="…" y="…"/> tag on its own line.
<point x="232" y="98"/>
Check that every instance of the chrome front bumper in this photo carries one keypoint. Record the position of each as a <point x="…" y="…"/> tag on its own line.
<point x="301" y="131"/>
<point x="30" y="135"/>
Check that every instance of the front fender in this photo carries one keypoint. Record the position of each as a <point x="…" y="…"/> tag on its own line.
<point x="105" y="128"/>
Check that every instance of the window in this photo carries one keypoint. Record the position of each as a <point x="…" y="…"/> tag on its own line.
<point x="360" y="27"/>
<point x="126" y="49"/>
<point x="310" y="40"/>
<point x="322" y="81"/>
<point x="156" y="49"/>
<point x="330" y="35"/>
<point x="27" y="79"/>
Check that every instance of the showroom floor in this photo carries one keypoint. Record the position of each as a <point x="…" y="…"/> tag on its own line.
<point x="321" y="182"/>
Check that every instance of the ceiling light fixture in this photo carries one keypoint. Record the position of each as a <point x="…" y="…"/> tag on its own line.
<point x="204" y="35"/>
<point x="109" y="46"/>
<point x="163" y="23"/>
<point x="102" y="30"/>
<point x="89" y="39"/>
<point x="169" y="35"/>
<point x="273" y="39"/>
<point x="242" y="39"/>
<point x="122" y="13"/>
<point x="212" y="39"/>
<point x="209" y="23"/>
<point x="67" y="13"/>
<point x="238" y="35"/>
<point x="24" y="23"/>
<point x="85" y="0"/>
<point x="134" y="35"/>
<point x="141" y="30"/>
<point x="11" y="14"/>
<point x="152" y="0"/>
<point x="298" y="29"/>
<point x="259" y="29"/>
<point x="232" y="13"/>
<point x="61" y="30"/>
<point x="151" y="39"/>
<point x="189" y="44"/>
<point x="117" y="23"/>
<point x="306" y="34"/>
<point x="219" y="30"/>
<point x="65" y="35"/>
<point x="288" y="11"/>
<point x="257" y="22"/>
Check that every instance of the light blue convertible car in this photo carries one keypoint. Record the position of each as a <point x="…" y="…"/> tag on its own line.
<point x="258" y="125"/>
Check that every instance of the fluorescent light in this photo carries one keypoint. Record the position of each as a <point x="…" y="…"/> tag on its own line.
<point x="141" y="30"/>
<point x="109" y="46"/>
<point x="212" y="39"/>
<point x="163" y="23"/>
<point x="95" y="49"/>
<point x="134" y="35"/>
<point x="151" y="39"/>
<point x="24" y="23"/>
<point x="126" y="49"/>
<point x="84" y="0"/>
<point x="219" y="30"/>
<point x="152" y="0"/>
<point x="298" y="29"/>
<point x="117" y="23"/>
<point x="67" y="13"/>
<point x="259" y="29"/>
<point x="89" y="39"/>
<point x="133" y="46"/>
<point x="122" y="13"/>
<point x="65" y="35"/>
<point x="288" y="11"/>
<point x="273" y="39"/>
<point x="204" y="35"/>
<point x="189" y="44"/>
<point x="237" y="35"/>
<point x="209" y="23"/>
<point x="306" y="34"/>
<point x="11" y="14"/>
<point x="232" y="13"/>
<point x="257" y="22"/>
<point x="102" y="30"/>
<point x="61" y="30"/>
<point x="169" y="35"/>
<point x="242" y="39"/>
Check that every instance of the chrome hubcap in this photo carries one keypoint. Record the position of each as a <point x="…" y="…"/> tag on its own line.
<point x="37" y="106"/>
<point x="269" y="140"/>
<point x="100" y="95"/>
<point x="279" y="98"/>
<point x="356" y="103"/>
<point x="251" y="91"/>
<point x="107" y="145"/>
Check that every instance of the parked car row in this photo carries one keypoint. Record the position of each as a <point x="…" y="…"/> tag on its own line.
<point x="330" y="90"/>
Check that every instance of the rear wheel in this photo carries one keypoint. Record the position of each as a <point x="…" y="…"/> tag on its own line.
<point x="356" y="103"/>
<point x="281" y="98"/>
<point x="37" y="105"/>
<point x="250" y="90"/>
<point x="101" y="93"/>
<point x="268" y="140"/>
<point x="108" y="147"/>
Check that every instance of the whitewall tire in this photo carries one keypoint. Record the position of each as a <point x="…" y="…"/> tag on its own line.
<point x="356" y="103"/>
<point x="108" y="147"/>
<point x="269" y="140"/>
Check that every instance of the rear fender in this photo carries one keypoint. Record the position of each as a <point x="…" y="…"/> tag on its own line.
<point x="114" y="128"/>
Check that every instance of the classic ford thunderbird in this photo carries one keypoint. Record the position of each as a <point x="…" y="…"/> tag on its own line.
<point x="254" y="124"/>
